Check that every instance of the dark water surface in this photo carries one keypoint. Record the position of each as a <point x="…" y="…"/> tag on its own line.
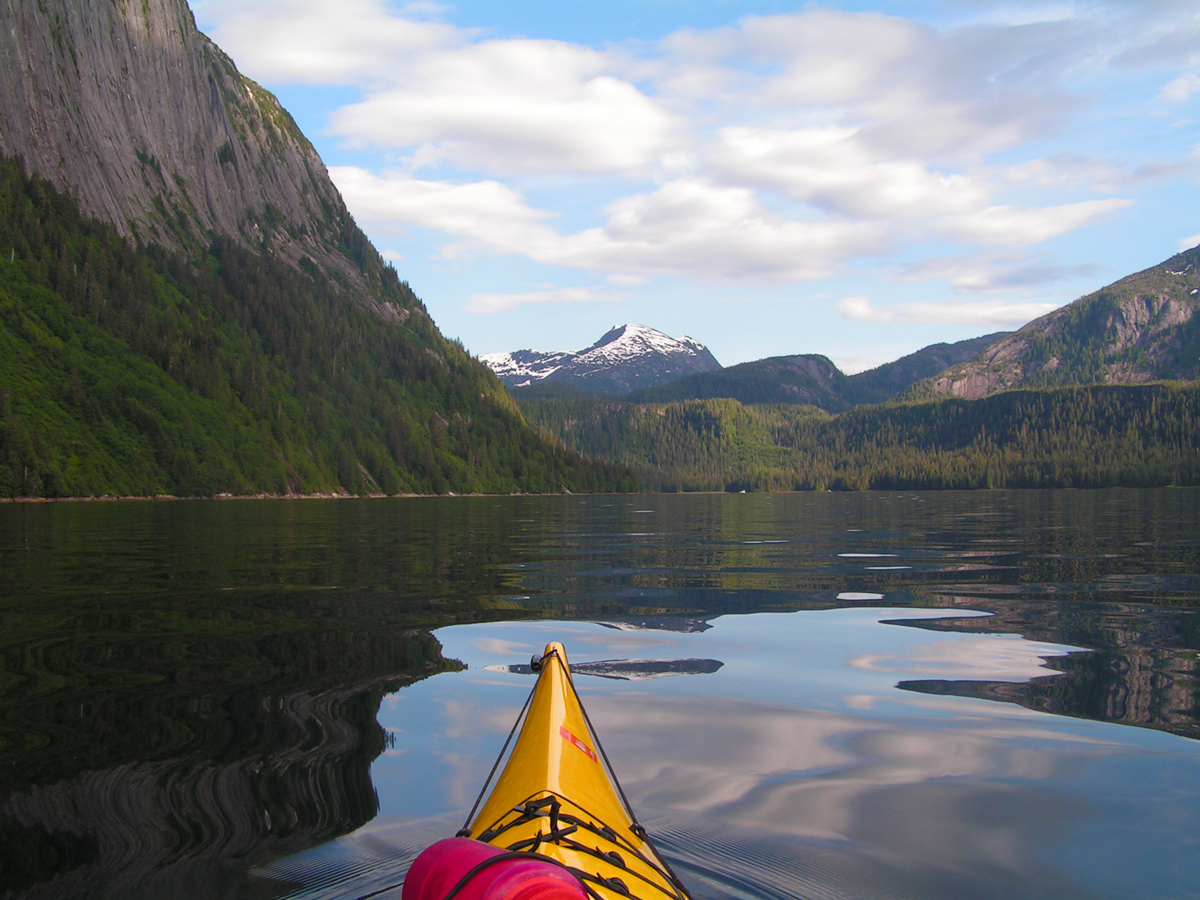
<point x="812" y="695"/>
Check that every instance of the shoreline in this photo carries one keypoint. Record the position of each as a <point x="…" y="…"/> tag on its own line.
<point x="153" y="498"/>
<point x="346" y="496"/>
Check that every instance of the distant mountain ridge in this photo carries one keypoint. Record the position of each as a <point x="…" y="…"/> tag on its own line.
<point x="1141" y="328"/>
<point x="627" y="357"/>
<point x="815" y="380"/>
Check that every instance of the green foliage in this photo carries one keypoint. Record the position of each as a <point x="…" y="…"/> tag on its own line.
<point x="1085" y="344"/>
<point x="1101" y="436"/>
<point x="1144" y="327"/>
<point x="129" y="370"/>
<point x="810" y="379"/>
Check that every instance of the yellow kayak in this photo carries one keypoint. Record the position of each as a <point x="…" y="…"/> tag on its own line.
<point x="556" y="814"/>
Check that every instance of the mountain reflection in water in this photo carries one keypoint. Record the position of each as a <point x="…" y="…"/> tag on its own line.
<point x="265" y="774"/>
<point x="628" y="669"/>
<point x="192" y="694"/>
<point x="1140" y="668"/>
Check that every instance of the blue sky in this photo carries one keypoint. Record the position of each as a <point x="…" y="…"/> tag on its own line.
<point x="853" y="179"/>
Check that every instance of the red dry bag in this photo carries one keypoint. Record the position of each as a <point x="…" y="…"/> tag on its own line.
<point x="436" y="872"/>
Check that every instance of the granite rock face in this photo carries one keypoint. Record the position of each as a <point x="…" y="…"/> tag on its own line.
<point x="1141" y="328"/>
<point x="128" y="107"/>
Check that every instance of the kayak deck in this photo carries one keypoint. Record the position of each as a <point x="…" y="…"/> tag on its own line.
<point x="555" y="797"/>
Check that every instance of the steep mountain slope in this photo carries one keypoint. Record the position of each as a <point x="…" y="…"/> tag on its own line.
<point x="815" y="380"/>
<point x="221" y="324"/>
<point x="1141" y="328"/>
<point x="129" y="108"/>
<point x="886" y="381"/>
<point x="625" y="358"/>
<point x="805" y="379"/>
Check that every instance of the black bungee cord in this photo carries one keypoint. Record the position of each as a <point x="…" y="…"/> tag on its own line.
<point x="635" y="827"/>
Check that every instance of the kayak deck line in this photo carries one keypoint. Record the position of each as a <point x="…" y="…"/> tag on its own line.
<point x="557" y="810"/>
<point x="623" y="855"/>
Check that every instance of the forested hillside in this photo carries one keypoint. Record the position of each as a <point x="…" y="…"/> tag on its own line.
<point x="1141" y="328"/>
<point x="1100" y="436"/>
<point x="814" y="380"/>
<point x="132" y="370"/>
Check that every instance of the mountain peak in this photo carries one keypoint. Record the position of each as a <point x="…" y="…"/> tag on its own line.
<point x="625" y="358"/>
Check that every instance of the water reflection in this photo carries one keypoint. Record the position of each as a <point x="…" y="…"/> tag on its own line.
<point x="171" y="675"/>
<point x="627" y="669"/>
<point x="799" y="771"/>
<point x="266" y="773"/>
<point x="1142" y="667"/>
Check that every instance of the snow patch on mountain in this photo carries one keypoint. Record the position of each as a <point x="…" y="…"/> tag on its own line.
<point x="524" y="367"/>
<point x="627" y="357"/>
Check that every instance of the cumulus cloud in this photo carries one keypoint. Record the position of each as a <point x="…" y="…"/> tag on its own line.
<point x="831" y="167"/>
<point x="987" y="314"/>
<point x="992" y="272"/>
<point x="696" y="229"/>
<point x="489" y="212"/>
<point x="1182" y="87"/>
<point x="914" y="89"/>
<point x="1188" y="243"/>
<point x="688" y="228"/>
<point x="1010" y="226"/>
<point x="493" y="303"/>
<point x="320" y="43"/>
<point x="514" y="106"/>
<point x="1073" y="170"/>
<point x="1164" y="33"/>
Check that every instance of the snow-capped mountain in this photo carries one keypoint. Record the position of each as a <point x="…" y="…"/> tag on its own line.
<point x="626" y="358"/>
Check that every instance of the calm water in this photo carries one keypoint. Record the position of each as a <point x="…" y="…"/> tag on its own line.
<point x="872" y="695"/>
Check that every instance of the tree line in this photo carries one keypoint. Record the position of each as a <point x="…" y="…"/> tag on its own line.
<point x="1077" y="437"/>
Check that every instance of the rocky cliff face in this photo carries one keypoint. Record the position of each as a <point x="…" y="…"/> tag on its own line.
<point x="126" y="106"/>
<point x="1141" y="328"/>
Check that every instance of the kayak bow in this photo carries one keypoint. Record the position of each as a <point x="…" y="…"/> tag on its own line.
<point x="556" y="825"/>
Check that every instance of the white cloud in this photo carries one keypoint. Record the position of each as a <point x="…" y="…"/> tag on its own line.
<point x="489" y="212"/>
<point x="831" y="167"/>
<point x="514" y="106"/>
<point x="692" y="228"/>
<point x="494" y="303"/>
<point x="913" y="89"/>
<point x="1010" y="226"/>
<point x="1158" y="34"/>
<point x="1188" y="243"/>
<point x="988" y="314"/>
<point x="991" y="272"/>
<point x="1182" y="88"/>
<point x="320" y="43"/>
<point x="688" y="228"/>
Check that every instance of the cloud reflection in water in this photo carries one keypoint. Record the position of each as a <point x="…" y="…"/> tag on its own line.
<point x="799" y="769"/>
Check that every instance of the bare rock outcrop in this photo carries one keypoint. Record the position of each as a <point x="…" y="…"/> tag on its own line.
<point x="1141" y="328"/>
<point x="128" y="107"/>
